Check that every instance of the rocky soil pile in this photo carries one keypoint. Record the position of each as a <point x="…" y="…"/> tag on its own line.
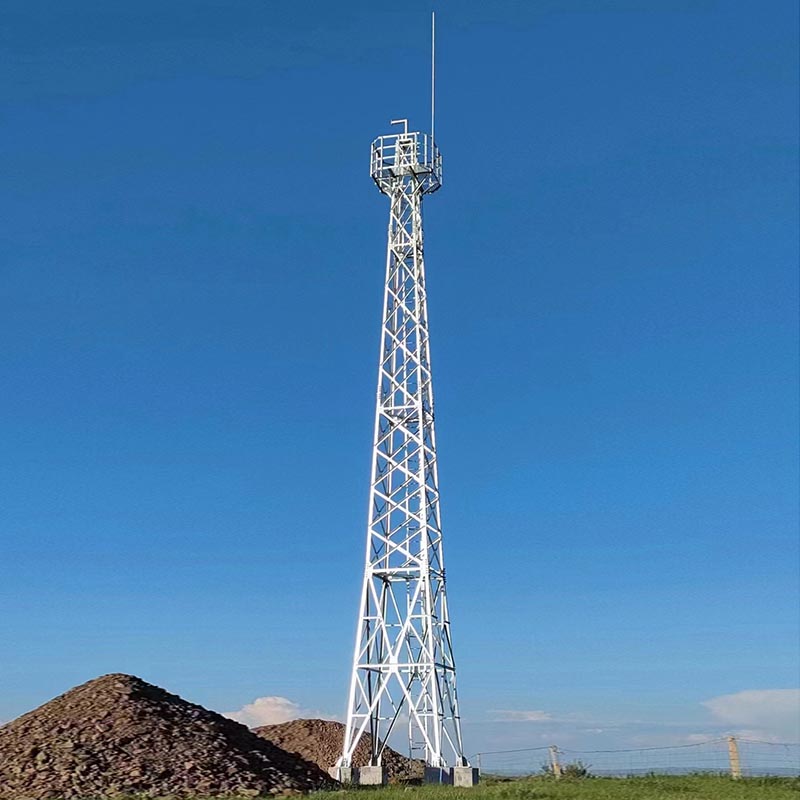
<point x="119" y="735"/>
<point x="320" y="741"/>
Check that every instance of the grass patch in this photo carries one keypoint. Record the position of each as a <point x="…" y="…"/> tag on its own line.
<point x="652" y="787"/>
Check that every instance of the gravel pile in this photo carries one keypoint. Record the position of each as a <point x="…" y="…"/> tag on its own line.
<point x="320" y="741"/>
<point x="118" y="735"/>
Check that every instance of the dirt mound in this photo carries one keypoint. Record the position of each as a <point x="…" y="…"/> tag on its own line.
<point x="320" y="741"/>
<point x="119" y="735"/>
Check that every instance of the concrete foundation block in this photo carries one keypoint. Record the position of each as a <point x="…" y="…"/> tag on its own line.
<point x="372" y="776"/>
<point x="343" y="774"/>
<point x="464" y="776"/>
<point x="436" y="775"/>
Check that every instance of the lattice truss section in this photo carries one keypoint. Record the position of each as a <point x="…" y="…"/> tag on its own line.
<point x="403" y="671"/>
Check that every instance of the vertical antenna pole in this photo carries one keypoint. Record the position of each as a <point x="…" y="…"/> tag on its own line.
<point x="433" y="74"/>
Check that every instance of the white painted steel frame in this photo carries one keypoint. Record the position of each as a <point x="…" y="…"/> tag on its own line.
<point x="403" y="666"/>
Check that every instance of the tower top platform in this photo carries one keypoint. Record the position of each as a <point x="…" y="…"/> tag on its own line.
<point x="408" y="153"/>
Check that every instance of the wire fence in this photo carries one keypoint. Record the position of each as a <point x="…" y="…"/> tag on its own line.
<point x="730" y="755"/>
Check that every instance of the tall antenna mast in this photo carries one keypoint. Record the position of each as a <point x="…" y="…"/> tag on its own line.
<point x="404" y="671"/>
<point x="433" y="76"/>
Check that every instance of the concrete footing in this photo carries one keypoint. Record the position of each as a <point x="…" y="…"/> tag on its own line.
<point x="378" y="776"/>
<point x="360" y="776"/>
<point x="343" y="774"/>
<point x="372" y="776"/>
<point x="436" y="775"/>
<point x="464" y="776"/>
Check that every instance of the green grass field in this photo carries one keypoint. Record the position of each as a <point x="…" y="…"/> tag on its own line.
<point x="690" y="787"/>
<point x="654" y="787"/>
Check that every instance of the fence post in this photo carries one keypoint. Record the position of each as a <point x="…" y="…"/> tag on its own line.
<point x="733" y="757"/>
<point x="479" y="763"/>
<point x="554" y="761"/>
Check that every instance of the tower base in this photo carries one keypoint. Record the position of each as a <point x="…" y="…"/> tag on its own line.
<point x="360" y="776"/>
<point x="372" y="776"/>
<point x="436" y="775"/>
<point x="346" y="775"/>
<point x="464" y="776"/>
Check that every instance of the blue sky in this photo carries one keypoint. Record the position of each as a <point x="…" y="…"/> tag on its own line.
<point x="192" y="255"/>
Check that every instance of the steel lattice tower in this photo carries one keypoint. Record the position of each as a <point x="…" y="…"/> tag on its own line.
<point x="403" y="666"/>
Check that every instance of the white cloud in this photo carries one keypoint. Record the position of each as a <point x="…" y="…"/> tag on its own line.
<point x="272" y="711"/>
<point x="699" y="738"/>
<point x="764" y="713"/>
<point x="504" y="715"/>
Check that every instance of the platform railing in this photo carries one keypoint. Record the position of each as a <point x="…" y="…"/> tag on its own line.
<point x="398" y="155"/>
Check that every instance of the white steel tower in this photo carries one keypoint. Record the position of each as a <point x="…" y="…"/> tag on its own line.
<point x="404" y="672"/>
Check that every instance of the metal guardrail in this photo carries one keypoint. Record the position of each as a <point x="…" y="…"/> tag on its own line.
<point x="400" y="155"/>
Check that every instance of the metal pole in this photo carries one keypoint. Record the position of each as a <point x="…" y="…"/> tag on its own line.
<point x="433" y="76"/>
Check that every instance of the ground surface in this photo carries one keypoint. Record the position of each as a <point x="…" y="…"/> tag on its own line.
<point x="651" y="788"/>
